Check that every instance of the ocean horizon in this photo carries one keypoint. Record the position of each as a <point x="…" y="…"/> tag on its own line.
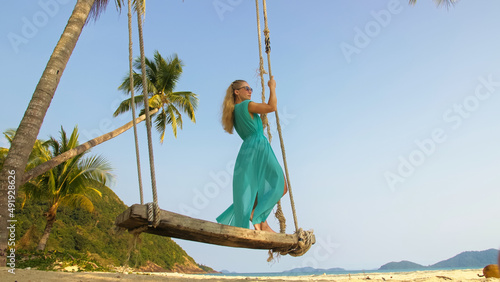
<point x="336" y="272"/>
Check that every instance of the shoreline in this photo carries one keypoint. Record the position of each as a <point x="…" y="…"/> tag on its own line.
<point x="423" y="275"/>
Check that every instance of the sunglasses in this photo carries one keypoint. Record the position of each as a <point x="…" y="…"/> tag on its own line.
<point x="246" y="88"/>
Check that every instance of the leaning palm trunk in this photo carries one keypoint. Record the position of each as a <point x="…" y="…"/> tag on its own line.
<point x="50" y="164"/>
<point x="29" y="127"/>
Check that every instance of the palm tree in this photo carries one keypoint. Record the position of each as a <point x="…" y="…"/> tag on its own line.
<point x="30" y="124"/>
<point x="70" y="183"/>
<point x="162" y="76"/>
<point x="447" y="3"/>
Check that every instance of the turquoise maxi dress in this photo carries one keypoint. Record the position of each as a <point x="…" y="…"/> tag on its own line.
<point x="257" y="174"/>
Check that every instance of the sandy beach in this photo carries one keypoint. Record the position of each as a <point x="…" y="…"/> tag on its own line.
<point x="23" y="275"/>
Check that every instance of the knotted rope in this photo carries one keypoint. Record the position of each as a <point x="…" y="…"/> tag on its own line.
<point x="305" y="238"/>
<point x="282" y="144"/>
<point x="132" y="100"/>
<point x="262" y="71"/>
<point x="148" y="121"/>
<point x="265" y="122"/>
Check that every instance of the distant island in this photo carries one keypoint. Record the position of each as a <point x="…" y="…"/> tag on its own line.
<point x="313" y="270"/>
<point x="471" y="259"/>
<point x="402" y="265"/>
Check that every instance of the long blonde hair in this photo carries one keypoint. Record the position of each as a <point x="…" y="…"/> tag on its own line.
<point x="228" y="106"/>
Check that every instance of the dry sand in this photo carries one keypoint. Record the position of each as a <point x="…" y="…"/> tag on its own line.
<point x="23" y="275"/>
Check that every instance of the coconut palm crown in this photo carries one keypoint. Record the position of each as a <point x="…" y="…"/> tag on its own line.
<point x="162" y="77"/>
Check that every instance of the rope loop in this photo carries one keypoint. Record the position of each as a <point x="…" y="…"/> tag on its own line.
<point x="153" y="214"/>
<point x="150" y="214"/>
<point x="282" y="144"/>
<point x="306" y="240"/>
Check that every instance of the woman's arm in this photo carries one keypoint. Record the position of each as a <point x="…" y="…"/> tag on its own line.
<point x="272" y="103"/>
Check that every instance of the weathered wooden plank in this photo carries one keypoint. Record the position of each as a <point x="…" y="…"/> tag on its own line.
<point x="188" y="228"/>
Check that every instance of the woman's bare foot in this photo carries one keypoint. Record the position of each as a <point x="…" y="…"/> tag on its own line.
<point x="265" y="227"/>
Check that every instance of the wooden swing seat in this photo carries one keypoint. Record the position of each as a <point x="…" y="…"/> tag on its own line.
<point x="188" y="228"/>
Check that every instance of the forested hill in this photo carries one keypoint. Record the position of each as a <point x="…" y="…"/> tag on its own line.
<point x="93" y="235"/>
<point x="473" y="259"/>
<point x="470" y="259"/>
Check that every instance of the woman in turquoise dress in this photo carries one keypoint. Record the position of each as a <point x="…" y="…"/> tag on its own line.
<point x="258" y="180"/>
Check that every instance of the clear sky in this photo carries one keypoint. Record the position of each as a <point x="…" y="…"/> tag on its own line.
<point x="389" y="112"/>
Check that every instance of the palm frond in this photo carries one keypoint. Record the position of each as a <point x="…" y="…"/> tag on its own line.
<point x="161" y="123"/>
<point x="73" y="140"/>
<point x="50" y="184"/>
<point x="140" y="5"/>
<point x="67" y="174"/>
<point x="186" y="101"/>
<point x="35" y="190"/>
<point x="155" y="102"/>
<point x="170" y="72"/>
<point x="96" y="168"/>
<point x="151" y="69"/>
<point x="178" y="117"/>
<point x="39" y="154"/>
<point x="54" y="146"/>
<point x="126" y="105"/>
<point x="3" y="155"/>
<point x="446" y="3"/>
<point x="9" y="134"/>
<point x="174" y="118"/>
<point x="125" y="86"/>
<point x="78" y="201"/>
<point x="99" y="8"/>
<point x="64" y="140"/>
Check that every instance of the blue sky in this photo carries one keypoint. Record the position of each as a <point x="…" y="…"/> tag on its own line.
<point x="389" y="112"/>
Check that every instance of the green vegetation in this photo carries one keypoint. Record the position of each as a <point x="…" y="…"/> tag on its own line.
<point x="84" y="235"/>
<point x="91" y="241"/>
<point x="69" y="184"/>
<point x="54" y="260"/>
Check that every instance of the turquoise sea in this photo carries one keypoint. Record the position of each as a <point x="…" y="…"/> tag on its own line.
<point x="338" y="272"/>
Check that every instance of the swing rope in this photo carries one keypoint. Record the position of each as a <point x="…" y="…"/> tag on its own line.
<point x="305" y="237"/>
<point x="132" y="99"/>
<point x="156" y="207"/>
<point x="265" y="122"/>
<point x="262" y="71"/>
<point x="282" y="144"/>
